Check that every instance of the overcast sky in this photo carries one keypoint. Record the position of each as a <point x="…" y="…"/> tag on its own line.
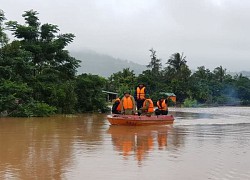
<point x="209" y="32"/>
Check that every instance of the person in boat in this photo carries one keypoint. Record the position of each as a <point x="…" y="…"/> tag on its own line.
<point x="128" y="104"/>
<point x="116" y="108"/>
<point x="148" y="106"/>
<point x="140" y="96"/>
<point x="162" y="105"/>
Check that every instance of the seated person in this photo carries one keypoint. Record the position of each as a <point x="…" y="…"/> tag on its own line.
<point x="116" y="108"/>
<point x="162" y="107"/>
<point x="148" y="106"/>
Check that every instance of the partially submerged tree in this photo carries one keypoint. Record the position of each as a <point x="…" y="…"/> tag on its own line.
<point x="89" y="93"/>
<point x="38" y="59"/>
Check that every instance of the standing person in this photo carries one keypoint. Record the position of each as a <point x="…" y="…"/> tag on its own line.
<point x="116" y="108"/>
<point x="140" y="96"/>
<point x="162" y="105"/>
<point x="148" y="106"/>
<point x="128" y="104"/>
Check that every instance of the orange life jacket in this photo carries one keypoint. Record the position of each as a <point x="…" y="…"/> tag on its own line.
<point x="140" y="93"/>
<point x="119" y="105"/>
<point x="163" y="105"/>
<point x="127" y="103"/>
<point x="151" y="105"/>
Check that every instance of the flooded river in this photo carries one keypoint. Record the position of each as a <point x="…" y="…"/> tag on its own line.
<point x="203" y="143"/>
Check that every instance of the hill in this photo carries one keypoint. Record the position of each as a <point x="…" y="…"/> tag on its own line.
<point x="104" y="65"/>
<point x="244" y="73"/>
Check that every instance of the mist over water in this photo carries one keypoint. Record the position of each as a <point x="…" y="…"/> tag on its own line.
<point x="203" y="143"/>
<point x="216" y="115"/>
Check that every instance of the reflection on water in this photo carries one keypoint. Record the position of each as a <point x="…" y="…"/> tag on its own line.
<point x="139" y="141"/>
<point x="203" y="143"/>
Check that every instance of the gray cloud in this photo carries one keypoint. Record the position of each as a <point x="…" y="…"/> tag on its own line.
<point x="209" y="32"/>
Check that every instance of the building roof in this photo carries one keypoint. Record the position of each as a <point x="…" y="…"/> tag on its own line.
<point x="167" y="93"/>
<point x="109" y="92"/>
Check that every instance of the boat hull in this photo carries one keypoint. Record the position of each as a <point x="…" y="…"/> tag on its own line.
<point x="133" y="120"/>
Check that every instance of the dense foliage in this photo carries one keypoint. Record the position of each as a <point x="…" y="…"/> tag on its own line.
<point x="89" y="93"/>
<point x="202" y="87"/>
<point x="38" y="76"/>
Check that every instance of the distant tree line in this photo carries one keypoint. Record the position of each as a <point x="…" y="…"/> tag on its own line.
<point x="202" y="87"/>
<point x="38" y="76"/>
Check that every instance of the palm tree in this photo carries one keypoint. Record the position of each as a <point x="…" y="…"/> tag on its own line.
<point x="220" y="73"/>
<point x="176" y="61"/>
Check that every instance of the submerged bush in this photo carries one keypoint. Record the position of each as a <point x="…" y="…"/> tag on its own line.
<point x="190" y="103"/>
<point x="33" y="109"/>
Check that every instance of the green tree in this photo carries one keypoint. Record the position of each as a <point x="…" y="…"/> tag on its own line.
<point x="152" y="77"/>
<point x="89" y="93"/>
<point x="121" y="81"/>
<point x="176" y="62"/>
<point x="53" y="69"/>
<point x="199" y="84"/>
<point x="3" y="36"/>
<point x="177" y="75"/>
<point x="202" y="73"/>
<point x="15" y="63"/>
<point x="155" y="63"/>
<point x="46" y="46"/>
<point x="38" y="59"/>
<point x="219" y="73"/>
<point x="12" y="94"/>
<point x="243" y="88"/>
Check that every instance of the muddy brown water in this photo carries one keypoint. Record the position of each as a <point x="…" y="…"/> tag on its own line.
<point x="203" y="143"/>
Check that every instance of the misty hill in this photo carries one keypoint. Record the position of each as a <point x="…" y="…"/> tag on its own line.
<point x="244" y="73"/>
<point x="103" y="65"/>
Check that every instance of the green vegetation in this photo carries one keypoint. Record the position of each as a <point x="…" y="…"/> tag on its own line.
<point x="201" y="87"/>
<point x="190" y="103"/>
<point x="38" y="76"/>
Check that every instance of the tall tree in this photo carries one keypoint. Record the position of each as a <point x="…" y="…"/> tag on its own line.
<point x="199" y="82"/>
<point x="177" y="61"/>
<point x="121" y="81"/>
<point x="219" y="73"/>
<point x="3" y="36"/>
<point x="243" y="88"/>
<point x="202" y="73"/>
<point x="152" y="77"/>
<point x="37" y="57"/>
<point x="177" y="75"/>
<point x="155" y="63"/>
<point x="46" y="46"/>
<point x="89" y="93"/>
